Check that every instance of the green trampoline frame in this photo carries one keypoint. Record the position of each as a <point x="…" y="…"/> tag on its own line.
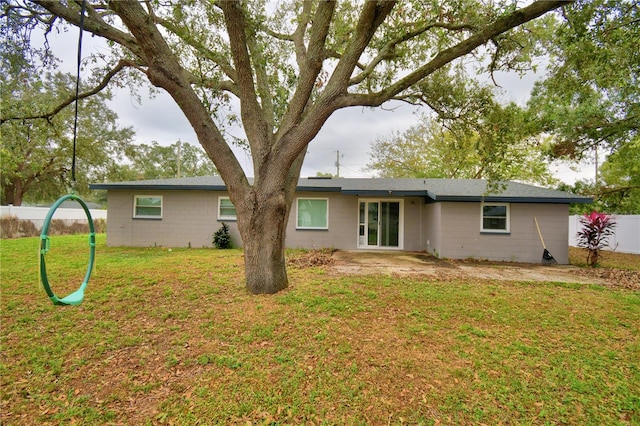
<point x="77" y="296"/>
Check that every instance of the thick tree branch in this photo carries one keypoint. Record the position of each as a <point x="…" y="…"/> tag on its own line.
<point x="253" y="120"/>
<point x="279" y="36"/>
<point x="388" y="51"/>
<point x="310" y="63"/>
<point x="446" y="56"/>
<point x="603" y="191"/>
<point x="122" y="64"/>
<point x="295" y="139"/>
<point x="262" y="80"/>
<point x="92" y="23"/>
<point x="298" y="35"/>
<point x="164" y="70"/>
<point x="372" y="16"/>
<point x="213" y="84"/>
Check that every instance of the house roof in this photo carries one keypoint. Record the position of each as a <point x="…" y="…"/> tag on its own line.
<point x="433" y="190"/>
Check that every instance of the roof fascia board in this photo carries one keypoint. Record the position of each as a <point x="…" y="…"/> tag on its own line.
<point x="318" y="189"/>
<point x="159" y="187"/>
<point x="390" y="193"/>
<point x="545" y="200"/>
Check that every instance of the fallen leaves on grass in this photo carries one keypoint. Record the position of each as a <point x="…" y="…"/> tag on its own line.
<point x="310" y="258"/>
<point x="619" y="278"/>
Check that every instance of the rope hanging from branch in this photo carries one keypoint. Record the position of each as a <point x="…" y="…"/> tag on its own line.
<point x="75" y="119"/>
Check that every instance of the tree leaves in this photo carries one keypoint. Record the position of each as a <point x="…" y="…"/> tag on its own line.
<point x="618" y="188"/>
<point x="37" y="154"/>
<point x="497" y="144"/>
<point x="592" y="96"/>
<point x="181" y="159"/>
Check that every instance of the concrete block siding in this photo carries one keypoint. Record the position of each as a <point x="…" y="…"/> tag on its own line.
<point x="188" y="218"/>
<point x="461" y="237"/>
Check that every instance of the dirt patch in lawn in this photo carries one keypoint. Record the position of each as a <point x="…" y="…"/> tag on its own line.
<point x="417" y="263"/>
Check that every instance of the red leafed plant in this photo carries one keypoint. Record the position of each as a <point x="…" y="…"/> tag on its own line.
<point x="596" y="229"/>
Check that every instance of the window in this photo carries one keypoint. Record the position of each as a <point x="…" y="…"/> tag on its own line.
<point x="226" y="209"/>
<point x="495" y="217"/>
<point x="147" y="206"/>
<point x="313" y="213"/>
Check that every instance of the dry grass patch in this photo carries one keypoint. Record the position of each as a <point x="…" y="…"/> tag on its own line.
<point x="619" y="269"/>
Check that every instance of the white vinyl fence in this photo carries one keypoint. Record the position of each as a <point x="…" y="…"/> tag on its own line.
<point x="626" y="238"/>
<point x="38" y="214"/>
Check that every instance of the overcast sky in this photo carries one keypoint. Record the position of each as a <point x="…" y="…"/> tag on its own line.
<point x="349" y="132"/>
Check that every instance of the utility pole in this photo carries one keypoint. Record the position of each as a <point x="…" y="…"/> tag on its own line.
<point x="596" y="178"/>
<point x="179" y="159"/>
<point x="338" y="163"/>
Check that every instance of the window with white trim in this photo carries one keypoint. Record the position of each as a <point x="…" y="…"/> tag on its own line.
<point x="495" y="217"/>
<point x="226" y="209"/>
<point x="312" y="213"/>
<point x="147" y="206"/>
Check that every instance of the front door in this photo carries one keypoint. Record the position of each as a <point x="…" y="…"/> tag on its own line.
<point x="379" y="224"/>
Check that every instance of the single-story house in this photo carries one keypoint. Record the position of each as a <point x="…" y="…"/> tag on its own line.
<point x="450" y="218"/>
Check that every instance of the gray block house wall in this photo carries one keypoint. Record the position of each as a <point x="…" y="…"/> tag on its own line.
<point x="460" y="234"/>
<point x="343" y="224"/>
<point x="188" y="218"/>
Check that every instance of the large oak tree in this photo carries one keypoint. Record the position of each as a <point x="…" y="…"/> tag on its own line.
<point x="290" y="66"/>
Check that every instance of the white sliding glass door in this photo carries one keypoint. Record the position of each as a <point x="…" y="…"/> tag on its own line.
<point x="379" y="224"/>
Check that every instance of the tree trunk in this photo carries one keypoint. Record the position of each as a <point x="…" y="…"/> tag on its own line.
<point x="12" y="193"/>
<point x="262" y="228"/>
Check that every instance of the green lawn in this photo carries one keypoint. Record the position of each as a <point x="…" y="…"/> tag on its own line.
<point x="171" y="337"/>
